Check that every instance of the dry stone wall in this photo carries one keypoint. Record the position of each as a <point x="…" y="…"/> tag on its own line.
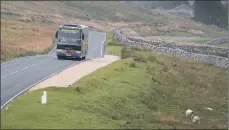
<point x="204" y="49"/>
<point x="209" y="54"/>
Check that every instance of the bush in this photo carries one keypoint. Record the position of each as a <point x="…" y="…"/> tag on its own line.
<point x="133" y="64"/>
<point x="139" y="57"/>
<point x="127" y="53"/>
<point x="112" y="43"/>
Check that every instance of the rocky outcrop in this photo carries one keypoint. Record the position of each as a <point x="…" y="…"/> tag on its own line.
<point x="210" y="54"/>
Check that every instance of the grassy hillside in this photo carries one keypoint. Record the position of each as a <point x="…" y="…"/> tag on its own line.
<point x="143" y="90"/>
<point x="129" y="94"/>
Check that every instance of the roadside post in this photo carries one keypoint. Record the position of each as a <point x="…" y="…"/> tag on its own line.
<point x="44" y="98"/>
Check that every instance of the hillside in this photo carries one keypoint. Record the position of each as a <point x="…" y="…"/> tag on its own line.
<point x="136" y="21"/>
<point x="22" y="39"/>
<point x="19" y="17"/>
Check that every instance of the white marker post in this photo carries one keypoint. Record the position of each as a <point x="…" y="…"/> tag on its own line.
<point x="44" y="98"/>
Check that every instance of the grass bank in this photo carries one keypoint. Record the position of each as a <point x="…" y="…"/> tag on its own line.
<point x="143" y="90"/>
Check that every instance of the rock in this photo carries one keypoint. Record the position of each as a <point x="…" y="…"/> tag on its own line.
<point x="77" y="89"/>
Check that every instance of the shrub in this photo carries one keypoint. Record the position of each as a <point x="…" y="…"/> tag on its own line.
<point x="139" y="57"/>
<point x="127" y="53"/>
<point x="133" y="64"/>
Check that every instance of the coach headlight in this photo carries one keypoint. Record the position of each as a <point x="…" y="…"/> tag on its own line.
<point x="63" y="40"/>
<point x="59" y="50"/>
<point x="78" y="51"/>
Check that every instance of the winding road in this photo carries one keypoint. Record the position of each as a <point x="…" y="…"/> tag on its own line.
<point x="19" y="75"/>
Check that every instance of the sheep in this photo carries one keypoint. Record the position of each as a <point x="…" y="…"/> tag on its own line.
<point x="210" y="109"/>
<point x="195" y="120"/>
<point x="189" y="113"/>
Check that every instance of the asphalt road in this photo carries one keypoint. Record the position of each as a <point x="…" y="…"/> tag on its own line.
<point x="95" y="36"/>
<point x="20" y="74"/>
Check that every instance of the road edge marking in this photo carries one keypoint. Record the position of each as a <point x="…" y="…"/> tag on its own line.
<point x="28" y="57"/>
<point x="102" y="45"/>
<point x="52" y="50"/>
<point x="11" y="99"/>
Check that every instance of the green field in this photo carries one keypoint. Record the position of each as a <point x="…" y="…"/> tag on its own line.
<point x="21" y="23"/>
<point x="223" y="45"/>
<point x="143" y="90"/>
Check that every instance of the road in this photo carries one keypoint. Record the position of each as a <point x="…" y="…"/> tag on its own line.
<point x="19" y="75"/>
<point x="94" y="36"/>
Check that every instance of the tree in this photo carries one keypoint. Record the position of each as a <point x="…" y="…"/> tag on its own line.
<point x="225" y="16"/>
<point x="200" y="12"/>
<point x="210" y="12"/>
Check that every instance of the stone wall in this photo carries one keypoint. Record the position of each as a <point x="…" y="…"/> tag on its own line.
<point x="189" y="52"/>
<point x="217" y="41"/>
<point x="200" y="49"/>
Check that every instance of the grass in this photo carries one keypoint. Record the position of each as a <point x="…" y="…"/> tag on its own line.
<point x="16" y="40"/>
<point x="166" y="33"/>
<point x="200" y="41"/>
<point x="114" y="50"/>
<point x="197" y="41"/>
<point x="223" y="45"/>
<point x="144" y="90"/>
<point x="19" y="31"/>
<point x="112" y="45"/>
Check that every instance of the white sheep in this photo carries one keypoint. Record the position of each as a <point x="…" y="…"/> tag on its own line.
<point x="196" y="119"/>
<point x="189" y="112"/>
<point x="210" y="109"/>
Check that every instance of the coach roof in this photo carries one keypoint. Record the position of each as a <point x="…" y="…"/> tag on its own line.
<point x="66" y="26"/>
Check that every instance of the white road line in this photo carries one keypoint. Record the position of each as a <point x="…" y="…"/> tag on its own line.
<point x="3" y="77"/>
<point x="25" y="58"/>
<point x="52" y="50"/>
<point x="33" y="65"/>
<point x="24" y="68"/>
<point x="14" y="72"/>
<point x="21" y="58"/>
<point x="103" y="44"/>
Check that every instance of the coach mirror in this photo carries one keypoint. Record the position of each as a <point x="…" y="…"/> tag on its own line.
<point x="82" y="36"/>
<point x="56" y="34"/>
